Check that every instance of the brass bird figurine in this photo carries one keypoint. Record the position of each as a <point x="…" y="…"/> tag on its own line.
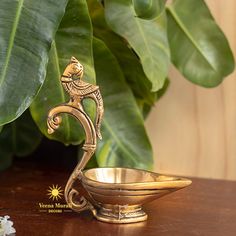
<point x="78" y="90"/>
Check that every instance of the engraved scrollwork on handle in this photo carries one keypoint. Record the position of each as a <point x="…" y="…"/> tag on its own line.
<point x="78" y="90"/>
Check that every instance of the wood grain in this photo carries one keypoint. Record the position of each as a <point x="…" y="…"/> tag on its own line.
<point x="193" y="129"/>
<point x="206" y="208"/>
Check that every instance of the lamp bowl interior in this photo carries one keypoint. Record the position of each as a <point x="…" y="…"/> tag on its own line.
<point x="131" y="179"/>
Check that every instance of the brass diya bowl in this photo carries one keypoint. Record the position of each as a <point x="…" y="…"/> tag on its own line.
<point x="119" y="193"/>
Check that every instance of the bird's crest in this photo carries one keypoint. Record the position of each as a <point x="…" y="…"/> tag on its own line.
<point x="73" y="60"/>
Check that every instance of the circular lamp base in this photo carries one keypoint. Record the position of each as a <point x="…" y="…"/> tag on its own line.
<point x="121" y="214"/>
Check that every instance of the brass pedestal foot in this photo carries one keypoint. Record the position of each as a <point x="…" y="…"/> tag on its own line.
<point x="121" y="214"/>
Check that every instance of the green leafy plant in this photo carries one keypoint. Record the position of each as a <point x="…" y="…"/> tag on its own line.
<point x="126" y="47"/>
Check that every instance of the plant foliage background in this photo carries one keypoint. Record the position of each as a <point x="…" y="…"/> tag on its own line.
<point x="126" y="47"/>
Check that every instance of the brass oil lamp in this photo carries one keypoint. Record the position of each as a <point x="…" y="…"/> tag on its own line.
<point x="116" y="195"/>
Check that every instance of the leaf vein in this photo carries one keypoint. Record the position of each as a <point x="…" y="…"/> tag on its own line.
<point x="118" y="141"/>
<point x="192" y="40"/>
<point x="12" y="39"/>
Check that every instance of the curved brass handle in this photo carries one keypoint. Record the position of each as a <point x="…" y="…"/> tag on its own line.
<point x="78" y="90"/>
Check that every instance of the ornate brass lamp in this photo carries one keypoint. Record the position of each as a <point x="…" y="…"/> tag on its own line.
<point x="115" y="195"/>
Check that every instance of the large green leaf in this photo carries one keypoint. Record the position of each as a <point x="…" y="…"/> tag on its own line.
<point x="26" y="31"/>
<point x="127" y="59"/>
<point x="147" y="38"/>
<point x="199" y="49"/>
<point x="149" y="9"/>
<point x="73" y="38"/>
<point x="125" y="142"/>
<point x="20" y="137"/>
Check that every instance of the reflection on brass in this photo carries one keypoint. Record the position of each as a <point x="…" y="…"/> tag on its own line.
<point x="116" y="195"/>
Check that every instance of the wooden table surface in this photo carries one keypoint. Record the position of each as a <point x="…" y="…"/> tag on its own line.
<point x="207" y="207"/>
